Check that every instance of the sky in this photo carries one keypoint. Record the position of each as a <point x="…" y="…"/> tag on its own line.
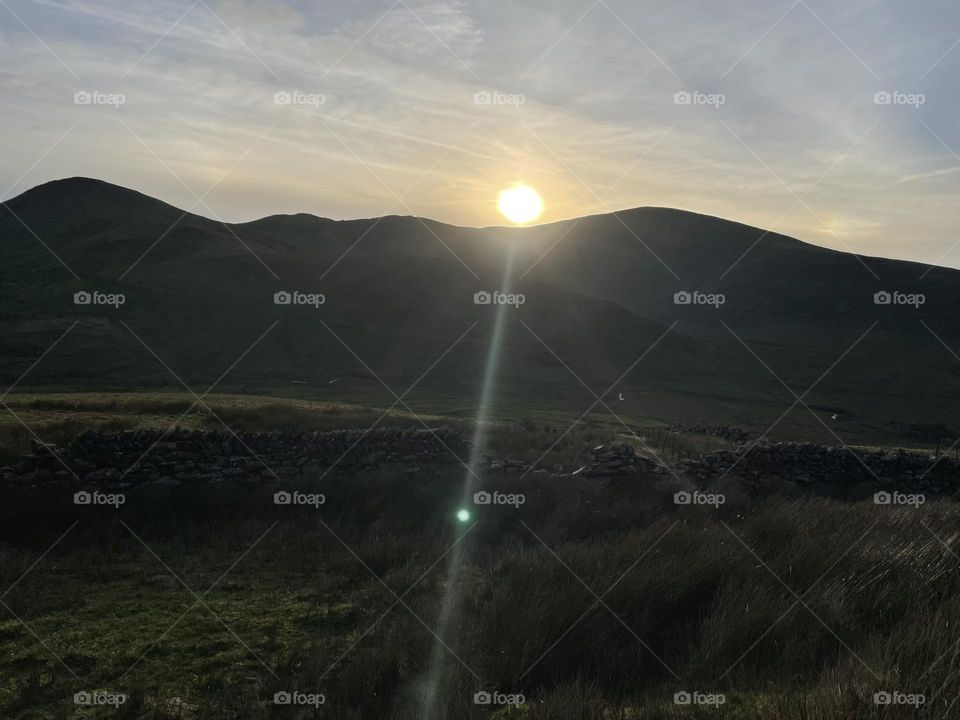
<point x="836" y="123"/>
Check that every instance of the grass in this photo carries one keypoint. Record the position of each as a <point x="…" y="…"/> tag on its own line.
<point x="287" y="598"/>
<point x="707" y="596"/>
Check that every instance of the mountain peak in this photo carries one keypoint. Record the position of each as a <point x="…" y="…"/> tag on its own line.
<point x="75" y="185"/>
<point x="85" y="197"/>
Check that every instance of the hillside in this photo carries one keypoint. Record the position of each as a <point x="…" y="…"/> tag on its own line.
<point x="399" y="293"/>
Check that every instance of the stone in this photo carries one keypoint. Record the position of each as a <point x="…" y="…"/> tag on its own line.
<point x="193" y="457"/>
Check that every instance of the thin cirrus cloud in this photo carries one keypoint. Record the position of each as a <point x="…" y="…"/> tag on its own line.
<point x="430" y="108"/>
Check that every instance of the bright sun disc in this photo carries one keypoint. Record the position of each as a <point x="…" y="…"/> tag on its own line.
<point x="520" y="204"/>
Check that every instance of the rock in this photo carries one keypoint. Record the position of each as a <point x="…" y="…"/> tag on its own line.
<point x="618" y="460"/>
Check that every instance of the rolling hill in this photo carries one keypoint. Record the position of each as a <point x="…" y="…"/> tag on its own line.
<point x="599" y="292"/>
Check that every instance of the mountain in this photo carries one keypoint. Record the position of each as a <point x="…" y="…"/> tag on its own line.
<point x="399" y="291"/>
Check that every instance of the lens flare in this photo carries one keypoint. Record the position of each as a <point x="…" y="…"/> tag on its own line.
<point x="520" y="204"/>
<point x="437" y="683"/>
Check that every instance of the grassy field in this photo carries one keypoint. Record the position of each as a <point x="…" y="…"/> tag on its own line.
<point x="591" y="600"/>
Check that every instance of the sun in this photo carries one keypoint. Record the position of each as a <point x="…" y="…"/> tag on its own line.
<point x="520" y="204"/>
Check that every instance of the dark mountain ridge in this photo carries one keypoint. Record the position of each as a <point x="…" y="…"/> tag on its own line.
<point x="599" y="290"/>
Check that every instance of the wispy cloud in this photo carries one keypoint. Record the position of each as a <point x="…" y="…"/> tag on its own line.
<point x="928" y="175"/>
<point x="401" y="80"/>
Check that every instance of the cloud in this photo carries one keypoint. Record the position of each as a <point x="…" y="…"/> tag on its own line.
<point x="436" y="31"/>
<point x="927" y="175"/>
<point x="400" y="82"/>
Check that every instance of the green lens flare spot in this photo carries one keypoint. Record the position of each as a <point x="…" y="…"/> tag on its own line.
<point x="463" y="515"/>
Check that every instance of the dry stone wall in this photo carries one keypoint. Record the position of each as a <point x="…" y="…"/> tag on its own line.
<point x="185" y="456"/>
<point x="833" y="467"/>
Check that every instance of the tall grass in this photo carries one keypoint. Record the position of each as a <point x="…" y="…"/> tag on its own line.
<point x="692" y="599"/>
<point x="595" y="601"/>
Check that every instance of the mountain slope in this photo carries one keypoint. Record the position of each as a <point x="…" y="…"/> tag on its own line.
<point x="399" y="292"/>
